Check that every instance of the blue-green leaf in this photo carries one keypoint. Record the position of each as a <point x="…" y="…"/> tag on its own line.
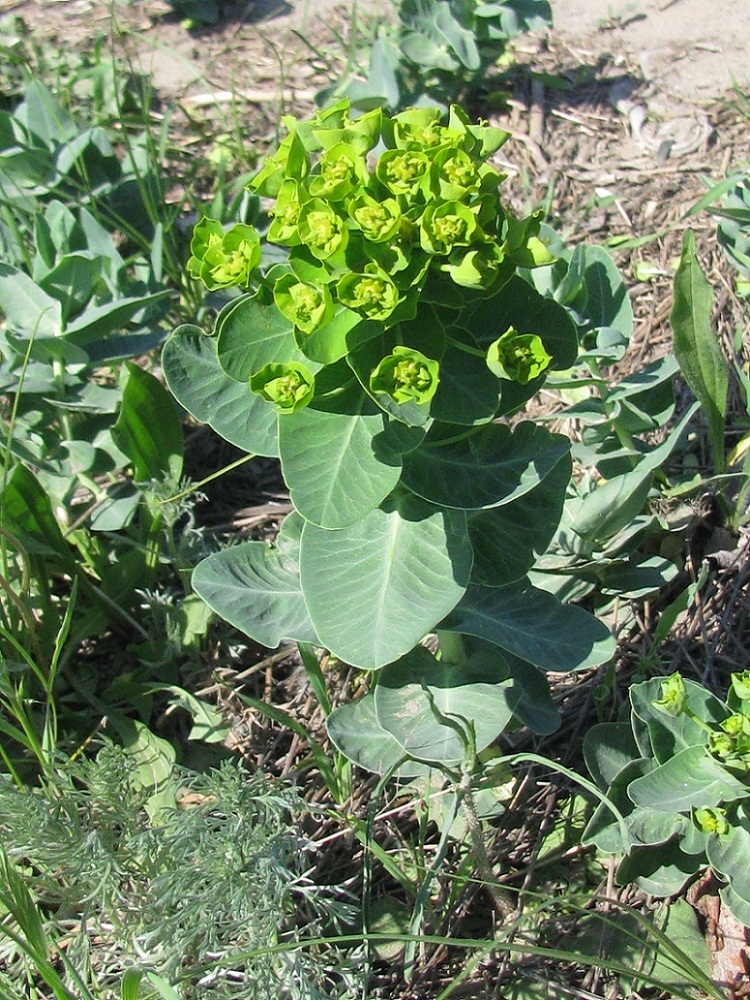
<point x="375" y="588"/>
<point x="257" y="589"/>
<point x="533" y="625"/>
<point x="489" y="466"/>
<point x="200" y="384"/>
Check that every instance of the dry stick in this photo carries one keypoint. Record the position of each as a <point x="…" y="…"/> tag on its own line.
<point x="536" y="113"/>
<point x="504" y="902"/>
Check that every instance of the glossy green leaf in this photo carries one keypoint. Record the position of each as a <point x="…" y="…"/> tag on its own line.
<point x="251" y="335"/>
<point x="533" y="625"/>
<point x="696" y="344"/>
<point x="339" y="463"/>
<point x="375" y="588"/>
<point x="199" y="383"/>
<point x="418" y="697"/>
<point x="486" y="467"/>
<point x="256" y="588"/>
<point x="691" y="778"/>
<point x="148" y="429"/>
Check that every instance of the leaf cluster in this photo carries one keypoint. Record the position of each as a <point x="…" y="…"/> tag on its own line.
<point x="201" y="892"/>
<point x="677" y="777"/>
<point x="613" y="541"/>
<point x="438" y="51"/>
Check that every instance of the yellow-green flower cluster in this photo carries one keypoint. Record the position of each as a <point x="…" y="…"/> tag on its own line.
<point x="727" y="740"/>
<point x="406" y="191"/>
<point x="223" y="258"/>
<point x="372" y="209"/>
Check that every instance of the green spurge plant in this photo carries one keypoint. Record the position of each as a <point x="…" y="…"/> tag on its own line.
<point x="439" y="50"/>
<point x="678" y="774"/>
<point x="378" y="361"/>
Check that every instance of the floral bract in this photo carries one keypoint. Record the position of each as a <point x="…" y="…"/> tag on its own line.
<point x="519" y="357"/>
<point x="288" y="386"/>
<point x="406" y="376"/>
<point x="223" y="258"/>
<point x="375" y="213"/>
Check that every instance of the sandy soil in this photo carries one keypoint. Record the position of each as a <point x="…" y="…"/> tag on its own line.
<point x="687" y="50"/>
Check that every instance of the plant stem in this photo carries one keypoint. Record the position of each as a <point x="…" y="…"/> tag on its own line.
<point x="460" y="346"/>
<point x="504" y="902"/>
<point x="452" y="648"/>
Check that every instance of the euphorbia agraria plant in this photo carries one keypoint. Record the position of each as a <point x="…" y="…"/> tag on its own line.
<point x="380" y="362"/>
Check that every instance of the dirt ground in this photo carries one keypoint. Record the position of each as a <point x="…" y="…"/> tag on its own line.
<point x="687" y="50"/>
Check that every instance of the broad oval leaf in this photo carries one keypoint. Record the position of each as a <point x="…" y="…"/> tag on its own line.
<point x="355" y="731"/>
<point x="375" y="588"/>
<point x="690" y="779"/>
<point x="257" y="588"/>
<point x="508" y="539"/>
<point x="533" y="625"/>
<point x="338" y="464"/>
<point x="484" y="468"/>
<point x="660" y="870"/>
<point x="203" y="388"/>
<point x="468" y="392"/>
<point x="429" y="705"/>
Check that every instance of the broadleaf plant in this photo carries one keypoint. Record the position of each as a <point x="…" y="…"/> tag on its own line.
<point x="380" y="361"/>
<point x="678" y="774"/>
